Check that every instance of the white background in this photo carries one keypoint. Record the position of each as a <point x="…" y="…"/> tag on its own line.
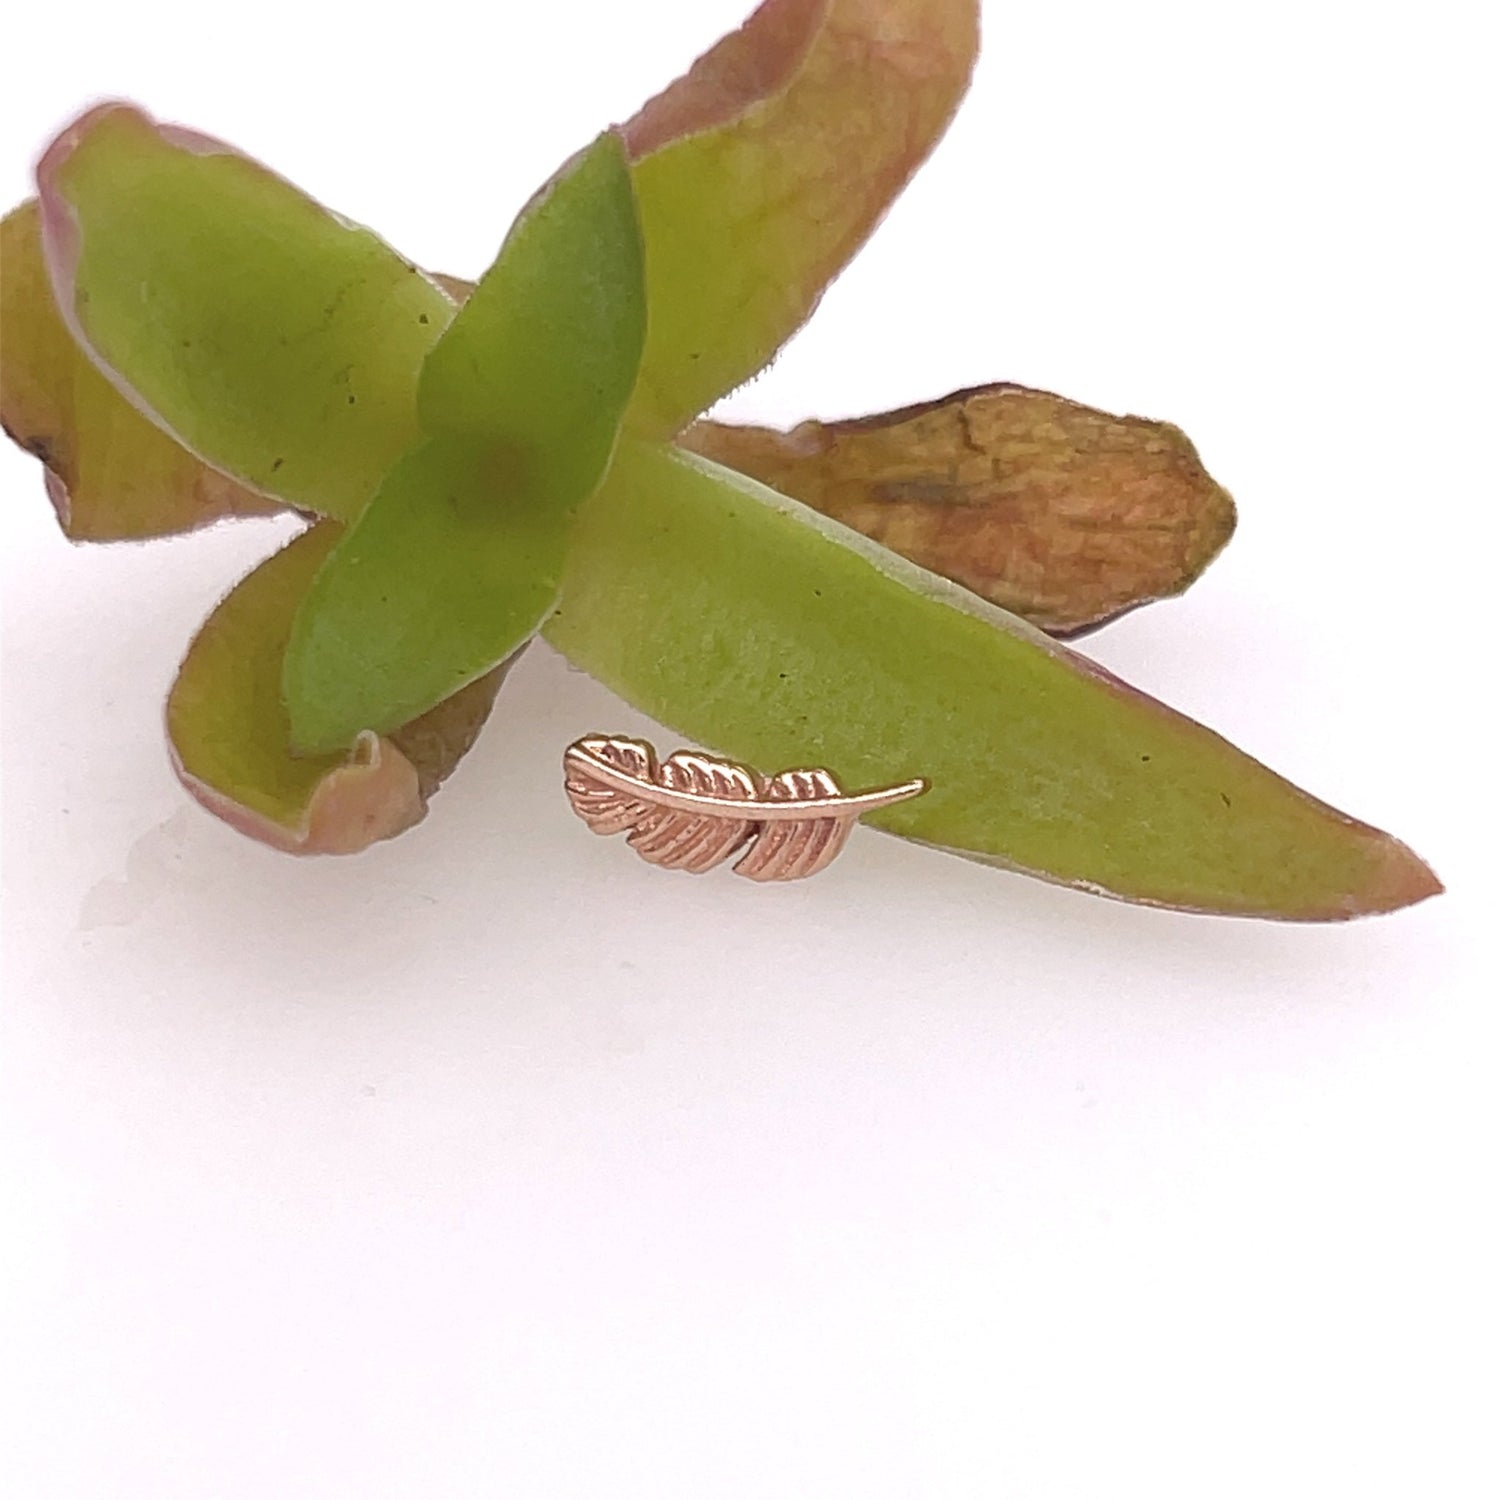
<point x="494" y="1163"/>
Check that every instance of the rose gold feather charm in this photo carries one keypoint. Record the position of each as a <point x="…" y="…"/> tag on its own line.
<point x="692" y="812"/>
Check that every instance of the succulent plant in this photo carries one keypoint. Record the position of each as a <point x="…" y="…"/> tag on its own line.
<point x="188" y="338"/>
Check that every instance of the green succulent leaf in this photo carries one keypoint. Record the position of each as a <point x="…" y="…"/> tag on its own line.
<point x="457" y="560"/>
<point x="230" y="734"/>
<point x="762" y="170"/>
<point x="453" y="567"/>
<point x="269" y="336"/>
<point x="112" y="474"/>
<point x="752" y="624"/>
<point x="543" y="357"/>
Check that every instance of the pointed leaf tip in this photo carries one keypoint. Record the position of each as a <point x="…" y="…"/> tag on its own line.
<point x="1398" y="878"/>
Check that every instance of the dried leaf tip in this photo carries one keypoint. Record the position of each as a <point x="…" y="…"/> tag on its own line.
<point x="1055" y="511"/>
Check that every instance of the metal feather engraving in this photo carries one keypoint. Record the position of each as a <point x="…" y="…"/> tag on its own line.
<point x="693" y="812"/>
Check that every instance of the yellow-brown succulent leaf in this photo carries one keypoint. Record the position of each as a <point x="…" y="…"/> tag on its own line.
<point x="112" y="474"/>
<point x="763" y="170"/>
<point x="1058" y="512"/>
<point x="230" y="734"/>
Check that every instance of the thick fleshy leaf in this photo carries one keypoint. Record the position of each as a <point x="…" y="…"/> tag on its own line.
<point x="229" y="731"/>
<point x="457" y="560"/>
<point x="1062" y="514"/>
<point x="112" y="475"/>
<point x="543" y="357"/>
<point x="453" y="566"/>
<point x="759" y="628"/>
<point x="762" y="171"/>
<point x="268" y="335"/>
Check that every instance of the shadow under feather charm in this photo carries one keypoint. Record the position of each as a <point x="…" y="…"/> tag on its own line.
<point x="692" y="812"/>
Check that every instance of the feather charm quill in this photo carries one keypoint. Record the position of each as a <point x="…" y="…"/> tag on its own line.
<point x="692" y="811"/>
